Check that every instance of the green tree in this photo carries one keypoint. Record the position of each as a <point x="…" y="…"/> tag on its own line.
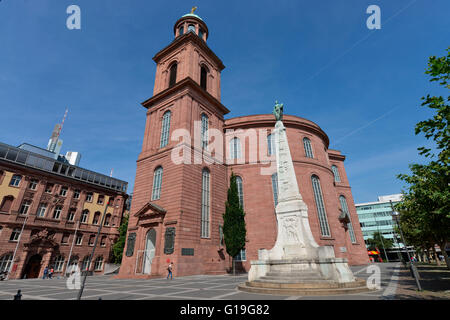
<point x="234" y="231"/>
<point x="378" y="242"/>
<point x="426" y="204"/>
<point x="120" y="244"/>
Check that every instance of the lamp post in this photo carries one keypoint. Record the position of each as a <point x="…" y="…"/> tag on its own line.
<point x="414" y="272"/>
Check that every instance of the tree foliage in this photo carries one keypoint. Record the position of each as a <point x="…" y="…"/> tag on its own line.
<point x="234" y="231"/>
<point x="120" y="244"/>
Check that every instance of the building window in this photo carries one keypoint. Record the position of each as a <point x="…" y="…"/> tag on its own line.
<point x="63" y="191"/>
<point x="49" y="188"/>
<point x="6" y="203"/>
<point x="103" y="241"/>
<point x="96" y="218"/>
<point x="173" y="75"/>
<point x="344" y="207"/>
<point x="157" y="183"/>
<point x="15" y="180"/>
<point x="79" y="239"/>
<point x="165" y="129"/>
<point x="76" y="194"/>
<point x="200" y="33"/>
<point x="323" y="222"/>
<point x="205" y="204"/>
<point x="57" y="212"/>
<point x="71" y="215"/>
<point x="5" y="262"/>
<point x="235" y="148"/>
<point x="91" y="240"/>
<point x="25" y="207"/>
<point x="59" y="263"/>
<point x="335" y="170"/>
<point x="107" y="220"/>
<point x="191" y="28"/>
<point x="308" y="148"/>
<point x="241" y="256"/>
<point x="101" y="199"/>
<point x="89" y="197"/>
<point x="275" y="188"/>
<point x="98" y="264"/>
<point x="15" y="235"/>
<point x="203" y="77"/>
<point x="42" y="210"/>
<point x="85" y="263"/>
<point x="204" y="131"/>
<point x="181" y="30"/>
<point x="271" y="144"/>
<point x="65" y="238"/>
<point x="33" y="184"/>
<point x="240" y="191"/>
<point x="84" y="216"/>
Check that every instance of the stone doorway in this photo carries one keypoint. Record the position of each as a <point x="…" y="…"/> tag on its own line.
<point x="33" y="267"/>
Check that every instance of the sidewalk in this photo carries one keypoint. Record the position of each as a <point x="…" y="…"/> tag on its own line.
<point x="434" y="280"/>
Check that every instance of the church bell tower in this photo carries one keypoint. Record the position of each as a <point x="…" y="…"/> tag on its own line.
<point x="176" y="212"/>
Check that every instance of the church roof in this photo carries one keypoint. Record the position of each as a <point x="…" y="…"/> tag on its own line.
<point x="192" y="15"/>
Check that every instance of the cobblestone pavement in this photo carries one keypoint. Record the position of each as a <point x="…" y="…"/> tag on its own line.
<point x="199" y="287"/>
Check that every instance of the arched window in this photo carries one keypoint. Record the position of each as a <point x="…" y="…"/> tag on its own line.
<point x="173" y="75"/>
<point x="308" y="149"/>
<point x="344" y="207"/>
<point x="84" y="263"/>
<point x="275" y="188"/>
<point x="96" y="219"/>
<point x="323" y="222"/>
<point x="165" y="129"/>
<point x="203" y="77"/>
<point x="335" y="170"/>
<point x="42" y="210"/>
<point x="157" y="183"/>
<point x="73" y="265"/>
<point x="84" y="216"/>
<point x="5" y="262"/>
<point x="235" y="148"/>
<point x="271" y="144"/>
<point x="107" y="219"/>
<point x="103" y="241"/>
<point x="6" y="203"/>
<point x="98" y="264"/>
<point x="59" y="263"/>
<point x="91" y="239"/>
<point x="240" y="191"/>
<point x="204" y="131"/>
<point x="181" y="30"/>
<point x="205" y="204"/>
<point x="200" y="33"/>
<point x="191" y="28"/>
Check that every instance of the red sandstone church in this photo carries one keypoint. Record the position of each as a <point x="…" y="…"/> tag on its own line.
<point x="177" y="208"/>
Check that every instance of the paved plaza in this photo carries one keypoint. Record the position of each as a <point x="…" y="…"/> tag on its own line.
<point x="199" y="287"/>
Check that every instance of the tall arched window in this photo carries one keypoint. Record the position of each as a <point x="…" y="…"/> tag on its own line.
<point x="6" y="203"/>
<point x="271" y="144"/>
<point x="98" y="264"/>
<point x="203" y="77"/>
<point x="205" y="204"/>
<point x="275" y="188"/>
<point x="181" y="30"/>
<point x="200" y="33"/>
<point x="323" y="222"/>
<point x="59" y="263"/>
<point x="5" y="262"/>
<point x="344" y="207"/>
<point x="308" y="148"/>
<point x="84" y="216"/>
<point x="157" y="183"/>
<point x="240" y="190"/>
<point x="335" y="170"/>
<point x="96" y="219"/>
<point x="173" y="75"/>
<point x="191" y="28"/>
<point x="235" y="148"/>
<point x="204" y="131"/>
<point x="85" y="263"/>
<point x="165" y="129"/>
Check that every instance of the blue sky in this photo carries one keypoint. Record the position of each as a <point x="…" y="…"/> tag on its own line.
<point x="361" y="86"/>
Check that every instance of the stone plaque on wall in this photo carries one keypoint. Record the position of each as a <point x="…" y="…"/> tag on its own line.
<point x="187" y="251"/>
<point x="169" y="240"/>
<point x="130" y="244"/>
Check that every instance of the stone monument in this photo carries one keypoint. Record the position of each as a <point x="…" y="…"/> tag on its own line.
<point x="296" y="264"/>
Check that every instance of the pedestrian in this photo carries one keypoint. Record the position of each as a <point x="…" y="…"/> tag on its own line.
<point x="50" y="274"/>
<point x="45" y="273"/>
<point x="169" y="269"/>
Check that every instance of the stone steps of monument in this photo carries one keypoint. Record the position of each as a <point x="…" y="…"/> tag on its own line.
<point x="293" y="274"/>
<point x="304" y="284"/>
<point x="304" y="292"/>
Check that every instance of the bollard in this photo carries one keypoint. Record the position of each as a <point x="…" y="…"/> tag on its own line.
<point x="18" y="296"/>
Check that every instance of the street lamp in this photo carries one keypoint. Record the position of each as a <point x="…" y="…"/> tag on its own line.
<point x="395" y="216"/>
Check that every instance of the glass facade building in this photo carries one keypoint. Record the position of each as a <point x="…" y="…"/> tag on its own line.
<point x="377" y="217"/>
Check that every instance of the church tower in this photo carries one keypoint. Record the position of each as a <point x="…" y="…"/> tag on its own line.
<point x="176" y="212"/>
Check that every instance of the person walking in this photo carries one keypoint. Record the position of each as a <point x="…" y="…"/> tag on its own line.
<point x="45" y="273"/>
<point x="50" y="274"/>
<point x="169" y="269"/>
